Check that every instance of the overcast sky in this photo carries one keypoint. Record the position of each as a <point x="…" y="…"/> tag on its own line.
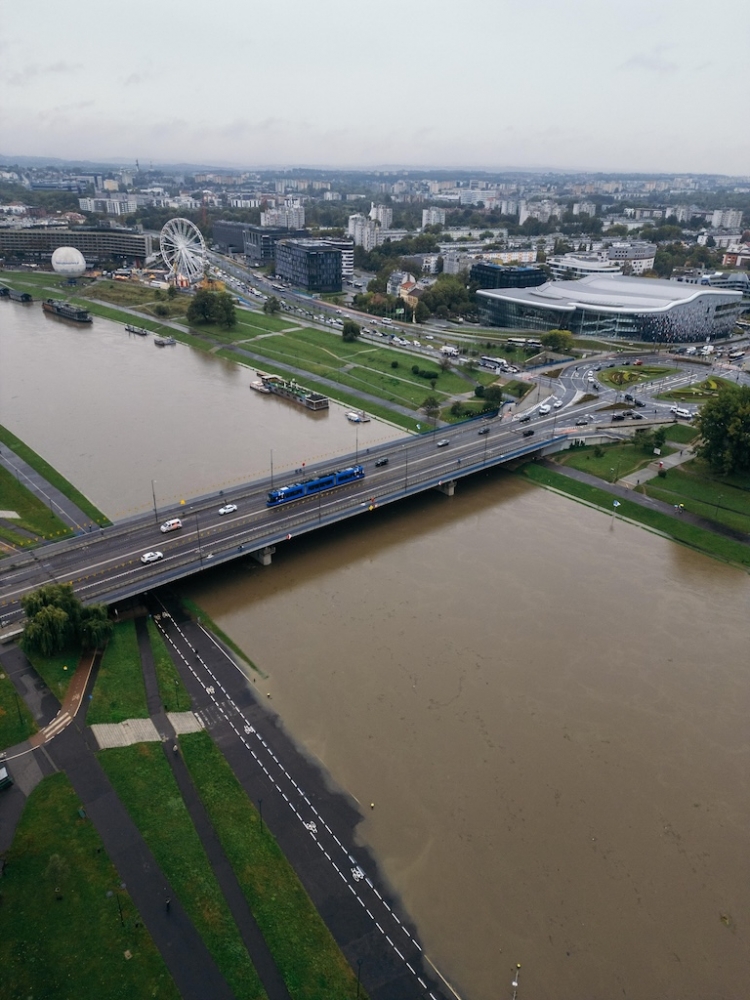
<point x="645" y="85"/>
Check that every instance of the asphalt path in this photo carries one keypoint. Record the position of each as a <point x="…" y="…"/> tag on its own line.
<point x="314" y="826"/>
<point x="51" y="497"/>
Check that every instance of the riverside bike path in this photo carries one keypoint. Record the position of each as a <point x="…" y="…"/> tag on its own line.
<point x="50" y="496"/>
<point x="627" y="493"/>
<point x="252" y="936"/>
<point x="189" y="962"/>
<point x="314" y="826"/>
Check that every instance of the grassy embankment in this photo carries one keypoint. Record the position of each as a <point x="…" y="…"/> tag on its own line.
<point x="725" y="499"/>
<point x="306" y="954"/>
<point x="52" y="476"/>
<point x="173" y="692"/>
<point x="56" y="670"/>
<point x="210" y="625"/>
<point x="145" y="784"/>
<point x="700" y="539"/>
<point x="610" y="461"/>
<point x="119" y="692"/>
<point x="67" y="927"/>
<point x="35" y="522"/>
<point x="16" y="722"/>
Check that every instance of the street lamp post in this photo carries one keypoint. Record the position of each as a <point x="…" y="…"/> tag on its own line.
<point x="198" y="536"/>
<point x="406" y="470"/>
<point x="356" y="443"/>
<point x="153" y="494"/>
<point x="716" y="508"/>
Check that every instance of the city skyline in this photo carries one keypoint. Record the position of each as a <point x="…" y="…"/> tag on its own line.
<point x="582" y="87"/>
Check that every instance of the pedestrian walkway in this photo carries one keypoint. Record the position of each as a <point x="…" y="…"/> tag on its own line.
<point x="124" y="734"/>
<point x="641" y="476"/>
<point x="247" y="925"/>
<point x="51" y="497"/>
<point x="625" y="492"/>
<point x="71" y="702"/>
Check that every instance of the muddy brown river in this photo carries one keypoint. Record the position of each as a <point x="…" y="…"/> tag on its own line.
<point x="548" y="707"/>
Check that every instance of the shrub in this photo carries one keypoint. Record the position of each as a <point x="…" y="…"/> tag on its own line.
<point x="394" y="364"/>
<point x="598" y="451"/>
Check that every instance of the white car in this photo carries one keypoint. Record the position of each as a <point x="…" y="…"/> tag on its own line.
<point x="545" y="408"/>
<point x="557" y="404"/>
<point x="173" y="524"/>
<point x="229" y="508"/>
<point x="149" y="557"/>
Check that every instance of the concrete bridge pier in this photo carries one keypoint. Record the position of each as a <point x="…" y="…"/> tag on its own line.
<point x="448" y="488"/>
<point x="263" y="556"/>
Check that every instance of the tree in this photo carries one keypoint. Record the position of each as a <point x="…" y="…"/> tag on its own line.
<point x="55" y="618"/>
<point x="493" y="394"/>
<point x="271" y="306"/>
<point x="558" y="340"/>
<point x="724" y="426"/>
<point x="212" y="307"/>
<point x="350" y="331"/>
<point x="431" y="407"/>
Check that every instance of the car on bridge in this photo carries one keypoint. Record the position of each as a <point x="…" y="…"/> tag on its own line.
<point x="443" y="443"/>
<point x="483" y="430"/>
<point x="528" y="432"/>
<point x="173" y="524"/>
<point x="381" y="462"/>
<point x="151" y="557"/>
<point x="229" y="508"/>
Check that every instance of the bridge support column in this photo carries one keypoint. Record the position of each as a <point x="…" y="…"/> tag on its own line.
<point x="263" y="556"/>
<point x="449" y="488"/>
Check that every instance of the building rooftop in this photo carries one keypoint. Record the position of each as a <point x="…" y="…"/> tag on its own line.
<point x="607" y="293"/>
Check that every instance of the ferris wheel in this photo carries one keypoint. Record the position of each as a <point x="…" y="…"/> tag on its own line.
<point x="184" y="250"/>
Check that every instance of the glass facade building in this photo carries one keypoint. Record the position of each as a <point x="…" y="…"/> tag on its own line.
<point x="615" y="306"/>
<point x="488" y="275"/>
<point x="311" y="264"/>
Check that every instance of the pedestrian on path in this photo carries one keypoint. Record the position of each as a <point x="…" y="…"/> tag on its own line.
<point x="167" y="905"/>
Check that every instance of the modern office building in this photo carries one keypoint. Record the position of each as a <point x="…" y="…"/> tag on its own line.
<point x="314" y="265"/>
<point x="638" y="256"/>
<point x="259" y="242"/>
<point x="347" y="255"/>
<point x="229" y="236"/>
<point x="572" y="266"/>
<point x="95" y="244"/>
<point x="488" y="275"/>
<point x="615" y="306"/>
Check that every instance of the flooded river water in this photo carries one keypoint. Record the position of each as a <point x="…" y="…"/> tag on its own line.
<point x="548" y="707"/>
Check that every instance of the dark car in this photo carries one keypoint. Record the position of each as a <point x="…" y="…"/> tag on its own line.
<point x="582" y="422"/>
<point x="525" y="418"/>
<point x="637" y="416"/>
<point x="618" y="416"/>
<point x="628" y="398"/>
<point x="483" y="430"/>
<point x="528" y="432"/>
<point x="638" y="402"/>
<point x="381" y="461"/>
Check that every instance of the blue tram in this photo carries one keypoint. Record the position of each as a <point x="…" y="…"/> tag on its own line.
<point x="328" y="481"/>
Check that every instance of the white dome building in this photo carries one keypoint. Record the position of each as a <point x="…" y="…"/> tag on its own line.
<point x="68" y="262"/>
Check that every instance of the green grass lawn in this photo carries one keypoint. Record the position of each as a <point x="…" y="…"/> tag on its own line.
<point x="35" y="517"/>
<point x="697" y="538"/>
<point x="694" y="485"/>
<point x="52" y="476"/>
<point x="144" y="781"/>
<point x="307" y="956"/>
<point x="623" y="458"/>
<point x="16" y="722"/>
<point x="119" y="692"/>
<point x="71" y="942"/>
<point x="57" y="670"/>
<point x="625" y="376"/>
<point x="174" y="695"/>
<point x="681" y="433"/>
<point x="698" y="392"/>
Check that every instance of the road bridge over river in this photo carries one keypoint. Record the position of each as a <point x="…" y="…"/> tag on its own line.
<point x="105" y="565"/>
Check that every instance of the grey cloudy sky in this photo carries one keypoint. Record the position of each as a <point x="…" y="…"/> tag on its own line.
<point x="646" y="85"/>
